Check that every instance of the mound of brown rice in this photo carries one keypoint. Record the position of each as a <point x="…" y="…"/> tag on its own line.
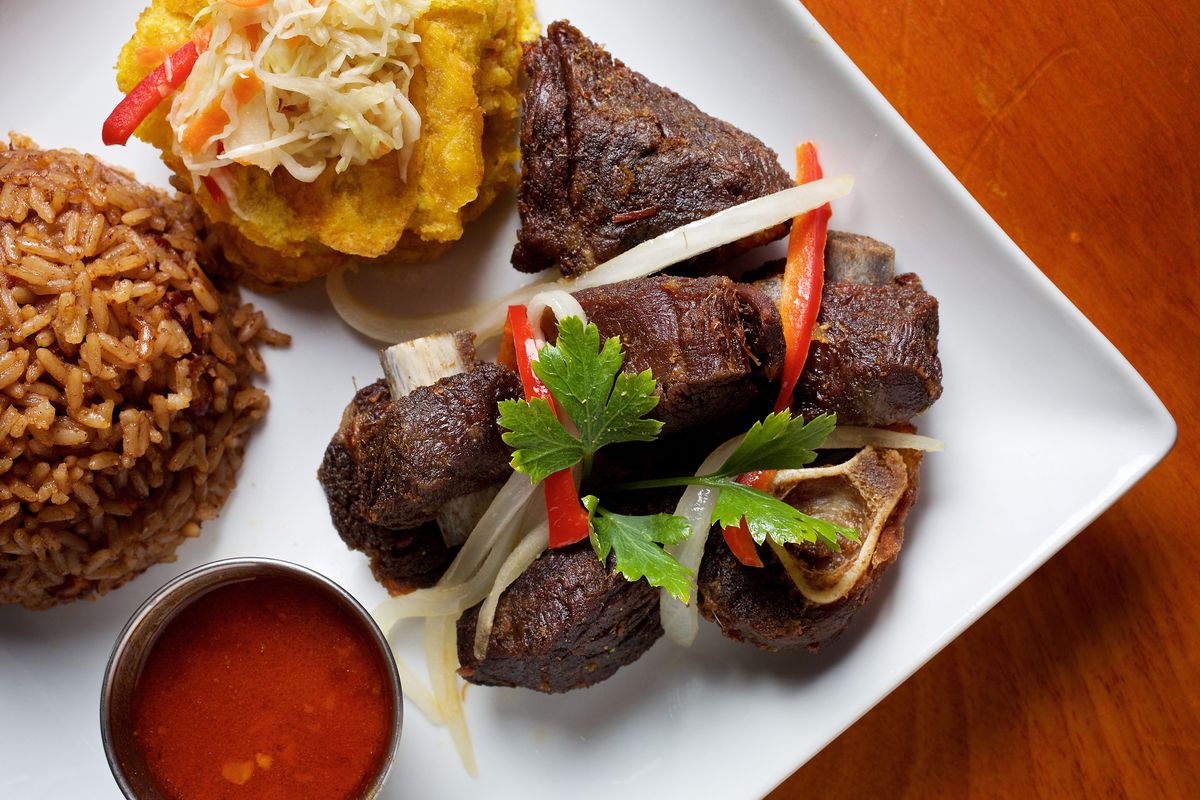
<point x="125" y="396"/>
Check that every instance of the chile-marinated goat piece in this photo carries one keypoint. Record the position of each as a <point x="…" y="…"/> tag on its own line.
<point x="713" y="345"/>
<point x="568" y="622"/>
<point x="873" y="361"/>
<point x="400" y="559"/>
<point x="804" y="596"/>
<point x="610" y="159"/>
<point x="874" y="356"/>
<point x="394" y="463"/>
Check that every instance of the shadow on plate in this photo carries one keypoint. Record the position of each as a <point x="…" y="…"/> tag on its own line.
<point x="413" y="289"/>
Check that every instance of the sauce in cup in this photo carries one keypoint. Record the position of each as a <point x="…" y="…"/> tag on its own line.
<point x="262" y="688"/>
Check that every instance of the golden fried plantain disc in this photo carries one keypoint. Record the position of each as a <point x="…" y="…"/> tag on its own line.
<point x="467" y="93"/>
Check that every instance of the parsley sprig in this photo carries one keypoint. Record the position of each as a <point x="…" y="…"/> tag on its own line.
<point x="780" y="441"/>
<point x="607" y="406"/>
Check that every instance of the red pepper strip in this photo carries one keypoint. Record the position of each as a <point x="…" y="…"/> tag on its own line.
<point x="800" y="300"/>
<point x="146" y="96"/>
<point x="508" y="353"/>
<point x="738" y="537"/>
<point x="803" y="278"/>
<point x="213" y="188"/>
<point x="568" y="518"/>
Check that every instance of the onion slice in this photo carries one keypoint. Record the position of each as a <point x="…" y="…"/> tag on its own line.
<point x="854" y="437"/>
<point x="525" y="553"/>
<point x="471" y="574"/>
<point x="453" y="599"/>
<point x="416" y="691"/>
<point x="562" y="303"/>
<point x="647" y="258"/>
<point x="441" y="652"/>
<point x="680" y="621"/>
<point x="509" y="503"/>
<point x="485" y="319"/>
<point x="722" y="228"/>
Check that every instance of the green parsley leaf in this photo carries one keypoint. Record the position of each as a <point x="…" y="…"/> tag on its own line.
<point x="768" y="516"/>
<point x="637" y="541"/>
<point x="622" y="421"/>
<point x="585" y="378"/>
<point x="780" y="441"/>
<point x="542" y="446"/>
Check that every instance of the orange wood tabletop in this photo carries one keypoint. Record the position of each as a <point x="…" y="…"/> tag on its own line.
<point x="1077" y="126"/>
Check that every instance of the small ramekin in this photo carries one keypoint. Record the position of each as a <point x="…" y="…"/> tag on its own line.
<point x="139" y="634"/>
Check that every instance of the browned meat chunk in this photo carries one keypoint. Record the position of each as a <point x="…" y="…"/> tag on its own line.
<point x="874" y="357"/>
<point x="805" y="596"/>
<point x="610" y="159"/>
<point x="568" y="622"/>
<point x="394" y="463"/>
<point x="713" y="345"/>
<point x="437" y="443"/>
<point x="400" y="560"/>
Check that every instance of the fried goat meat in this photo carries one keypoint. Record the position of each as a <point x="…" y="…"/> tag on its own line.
<point x="394" y="463"/>
<point x="610" y="160"/>
<point x="714" y="346"/>
<point x="568" y="622"/>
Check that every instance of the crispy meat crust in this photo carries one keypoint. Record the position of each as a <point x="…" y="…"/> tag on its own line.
<point x="610" y="159"/>
<point x="392" y="464"/>
<point x="713" y="345"/>
<point x="761" y="605"/>
<point x="566" y="623"/>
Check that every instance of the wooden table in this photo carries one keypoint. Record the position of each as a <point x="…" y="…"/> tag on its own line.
<point x="1077" y="126"/>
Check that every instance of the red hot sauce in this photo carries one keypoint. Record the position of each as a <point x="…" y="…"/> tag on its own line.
<point x="263" y="689"/>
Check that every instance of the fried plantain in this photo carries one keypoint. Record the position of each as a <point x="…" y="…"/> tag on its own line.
<point x="466" y="91"/>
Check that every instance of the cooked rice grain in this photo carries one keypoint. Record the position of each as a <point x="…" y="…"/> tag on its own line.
<point x="125" y="377"/>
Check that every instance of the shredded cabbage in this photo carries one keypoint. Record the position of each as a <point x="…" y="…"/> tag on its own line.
<point x="298" y="85"/>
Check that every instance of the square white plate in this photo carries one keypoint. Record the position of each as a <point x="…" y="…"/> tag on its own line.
<point x="1045" y="423"/>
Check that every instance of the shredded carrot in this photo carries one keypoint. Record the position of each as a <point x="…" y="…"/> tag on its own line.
<point x="202" y="36"/>
<point x="245" y="87"/>
<point x="214" y="119"/>
<point x="211" y="121"/>
<point x="247" y="3"/>
<point x="253" y="34"/>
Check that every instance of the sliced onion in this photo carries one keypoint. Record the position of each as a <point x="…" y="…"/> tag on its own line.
<point x="458" y="517"/>
<point x="455" y="598"/>
<point x="508" y="505"/>
<point x="525" y="553"/>
<point x="853" y="437"/>
<point x="416" y="691"/>
<point x="485" y="550"/>
<point x="722" y="228"/>
<point x="485" y="319"/>
<point x="647" y="258"/>
<point x="466" y="582"/>
<point x="441" y="653"/>
<point x="680" y="620"/>
<point x="562" y="303"/>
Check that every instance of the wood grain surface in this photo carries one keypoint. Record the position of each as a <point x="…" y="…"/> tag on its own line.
<point x="1077" y="126"/>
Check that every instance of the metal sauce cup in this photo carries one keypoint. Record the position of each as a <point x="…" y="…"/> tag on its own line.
<point x="140" y="633"/>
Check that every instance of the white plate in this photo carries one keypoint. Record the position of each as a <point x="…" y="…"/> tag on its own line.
<point x="1046" y="426"/>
